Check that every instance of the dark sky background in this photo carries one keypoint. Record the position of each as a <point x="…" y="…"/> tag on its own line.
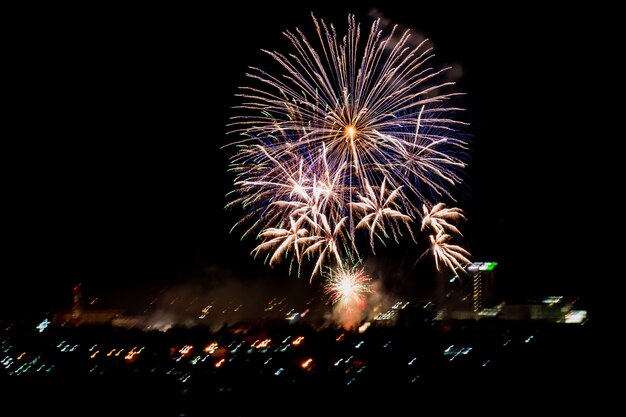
<point x="114" y="175"/>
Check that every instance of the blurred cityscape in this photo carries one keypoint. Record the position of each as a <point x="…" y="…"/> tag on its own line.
<point x="289" y="359"/>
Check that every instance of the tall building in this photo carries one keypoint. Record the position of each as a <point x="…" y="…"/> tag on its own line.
<point x="482" y="288"/>
<point x="77" y="309"/>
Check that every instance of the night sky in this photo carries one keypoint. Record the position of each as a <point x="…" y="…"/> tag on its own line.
<point x="115" y="176"/>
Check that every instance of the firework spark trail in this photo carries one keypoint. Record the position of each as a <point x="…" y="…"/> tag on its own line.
<point x="437" y="218"/>
<point x="378" y="207"/>
<point x="448" y="254"/>
<point x="346" y="136"/>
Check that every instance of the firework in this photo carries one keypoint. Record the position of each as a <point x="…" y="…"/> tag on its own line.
<point x="348" y="287"/>
<point x="448" y="254"/>
<point x="350" y="134"/>
<point x="439" y="216"/>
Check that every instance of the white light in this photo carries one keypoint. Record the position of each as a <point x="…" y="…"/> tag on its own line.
<point x="42" y="326"/>
<point x="576" y="316"/>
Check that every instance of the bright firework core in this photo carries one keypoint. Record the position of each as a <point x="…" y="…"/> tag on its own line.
<point x="350" y="132"/>
<point x="347" y="287"/>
